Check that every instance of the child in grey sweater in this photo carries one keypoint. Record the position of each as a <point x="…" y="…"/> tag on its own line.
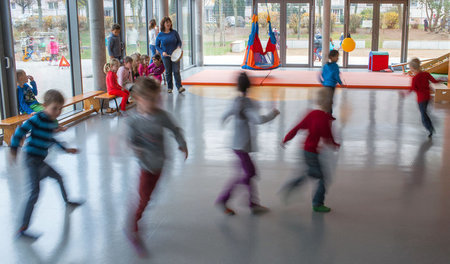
<point x="246" y="116"/>
<point x="146" y="138"/>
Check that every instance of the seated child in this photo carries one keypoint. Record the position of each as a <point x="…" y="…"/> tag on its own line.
<point x="143" y="66"/>
<point x="112" y="85"/>
<point x="26" y="94"/>
<point x="156" y="69"/>
<point x="135" y="65"/>
<point x="124" y="73"/>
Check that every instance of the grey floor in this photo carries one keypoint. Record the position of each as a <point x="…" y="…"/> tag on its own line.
<point x="389" y="190"/>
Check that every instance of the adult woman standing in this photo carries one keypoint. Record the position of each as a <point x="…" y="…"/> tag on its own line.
<point x="166" y="42"/>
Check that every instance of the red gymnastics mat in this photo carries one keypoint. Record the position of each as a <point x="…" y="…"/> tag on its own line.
<point x="293" y="78"/>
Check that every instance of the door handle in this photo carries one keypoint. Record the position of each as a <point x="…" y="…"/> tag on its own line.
<point x="8" y="63"/>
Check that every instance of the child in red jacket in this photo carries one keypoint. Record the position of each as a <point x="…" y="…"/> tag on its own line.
<point x="421" y="85"/>
<point x="318" y="124"/>
<point x="112" y="85"/>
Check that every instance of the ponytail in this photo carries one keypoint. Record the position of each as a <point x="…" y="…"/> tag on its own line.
<point x="107" y="67"/>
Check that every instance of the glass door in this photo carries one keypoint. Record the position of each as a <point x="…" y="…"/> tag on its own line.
<point x="390" y="30"/>
<point x="360" y="27"/>
<point x="297" y="32"/>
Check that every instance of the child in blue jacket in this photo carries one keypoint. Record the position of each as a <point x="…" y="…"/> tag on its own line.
<point x="330" y="74"/>
<point x="26" y="94"/>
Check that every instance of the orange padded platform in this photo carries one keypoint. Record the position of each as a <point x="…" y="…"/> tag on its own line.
<point x="293" y="78"/>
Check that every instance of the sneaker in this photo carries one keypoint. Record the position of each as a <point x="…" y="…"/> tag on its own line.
<point x="169" y="91"/>
<point x="24" y="234"/>
<point x="181" y="90"/>
<point x="321" y="209"/>
<point x="226" y="210"/>
<point x="259" y="209"/>
<point x="73" y="204"/>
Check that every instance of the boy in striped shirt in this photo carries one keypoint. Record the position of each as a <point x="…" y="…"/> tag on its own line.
<point x="41" y="127"/>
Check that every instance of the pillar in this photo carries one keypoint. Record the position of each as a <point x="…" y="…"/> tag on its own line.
<point x="326" y="30"/>
<point x="198" y="32"/>
<point x="97" y="25"/>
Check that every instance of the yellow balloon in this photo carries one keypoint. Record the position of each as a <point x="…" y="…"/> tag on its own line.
<point x="348" y="44"/>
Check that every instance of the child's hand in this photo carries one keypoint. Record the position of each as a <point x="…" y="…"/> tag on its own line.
<point x="165" y="54"/>
<point x="185" y="151"/>
<point x="13" y="155"/>
<point x="283" y="145"/>
<point x="337" y="146"/>
<point x="30" y="78"/>
<point x="402" y="94"/>
<point x="72" y="150"/>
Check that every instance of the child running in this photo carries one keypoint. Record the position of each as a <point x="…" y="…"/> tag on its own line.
<point x="318" y="124"/>
<point x="42" y="126"/>
<point x="421" y="85"/>
<point x="330" y="75"/>
<point x="146" y="137"/>
<point x="26" y="94"/>
<point x="143" y="66"/>
<point x="156" y="69"/>
<point x="246" y="115"/>
<point x="113" y="86"/>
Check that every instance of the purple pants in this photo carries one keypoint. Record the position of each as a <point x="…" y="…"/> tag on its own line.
<point x="246" y="179"/>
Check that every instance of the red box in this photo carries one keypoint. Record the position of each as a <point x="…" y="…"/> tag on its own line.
<point x="378" y="60"/>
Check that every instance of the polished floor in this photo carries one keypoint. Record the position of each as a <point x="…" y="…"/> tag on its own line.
<point x="389" y="189"/>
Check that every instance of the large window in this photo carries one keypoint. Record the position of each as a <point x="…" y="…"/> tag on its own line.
<point x="173" y="8"/>
<point x="428" y="37"/>
<point x="40" y="41"/>
<point x="135" y="26"/>
<point x="187" y="35"/>
<point x="297" y="27"/>
<point x="360" y="28"/>
<point x="226" y="27"/>
<point x="390" y="31"/>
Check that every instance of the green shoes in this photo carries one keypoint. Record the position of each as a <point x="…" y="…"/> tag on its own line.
<point x="321" y="209"/>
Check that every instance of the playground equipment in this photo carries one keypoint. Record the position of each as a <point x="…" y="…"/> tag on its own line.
<point x="437" y="65"/>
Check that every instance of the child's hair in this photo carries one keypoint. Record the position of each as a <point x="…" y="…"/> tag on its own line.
<point x="115" y="27"/>
<point x="146" y="87"/>
<point x="152" y="24"/>
<point x="414" y="64"/>
<point x="243" y="82"/>
<point x="144" y="57"/>
<point x="127" y="59"/>
<point x="19" y="73"/>
<point x="136" y="59"/>
<point x="163" y="21"/>
<point x="324" y="98"/>
<point x="53" y="96"/>
<point x="157" y="56"/>
<point x="109" y="65"/>
<point x="333" y="53"/>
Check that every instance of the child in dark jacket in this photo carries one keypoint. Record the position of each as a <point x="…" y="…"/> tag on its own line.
<point x="318" y="124"/>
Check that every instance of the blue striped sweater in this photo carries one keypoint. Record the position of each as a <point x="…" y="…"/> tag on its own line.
<point x="41" y="135"/>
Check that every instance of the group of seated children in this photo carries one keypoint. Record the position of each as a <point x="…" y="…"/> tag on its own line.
<point x="120" y="78"/>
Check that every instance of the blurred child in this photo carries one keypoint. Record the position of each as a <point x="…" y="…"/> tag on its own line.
<point x="318" y="124"/>
<point x="54" y="50"/>
<point x="156" y="69"/>
<point x="330" y="75"/>
<point x="114" y="44"/>
<point x="421" y="85"/>
<point x="124" y="73"/>
<point x="146" y="138"/>
<point x="246" y="116"/>
<point x="152" y="33"/>
<point x="112" y="85"/>
<point x="135" y="65"/>
<point x="143" y="66"/>
<point x="42" y="126"/>
<point x="26" y="94"/>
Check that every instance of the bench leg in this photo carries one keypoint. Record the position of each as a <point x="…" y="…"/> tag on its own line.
<point x="91" y="103"/>
<point x="8" y="133"/>
<point x="101" y="106"/>
<point x="117" y="106"/>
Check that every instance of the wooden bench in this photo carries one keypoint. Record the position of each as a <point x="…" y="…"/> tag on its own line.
<point x="442" y="94"/>
<point x="90" y="105"/>
<point x="106" y="97"/>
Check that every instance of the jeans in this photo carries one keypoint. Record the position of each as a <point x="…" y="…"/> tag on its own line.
<point x="153" y="50"/>
<point x="313" y="170"/>
<point x="426" y="121"/>
<point x="38" y="170"/>
<point x="172" y="67"/>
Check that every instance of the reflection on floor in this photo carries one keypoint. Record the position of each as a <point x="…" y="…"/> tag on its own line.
<point x="389" y="193"/>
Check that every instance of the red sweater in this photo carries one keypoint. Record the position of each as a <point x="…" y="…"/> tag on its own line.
<point x="318" y="124"/>
<point x="420" y="84"/>
<point x="111" y="82"/>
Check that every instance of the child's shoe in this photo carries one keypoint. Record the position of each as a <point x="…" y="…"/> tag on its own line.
<point x="73" y="204"/>
<point x="321" y="209"/>
<point x="169" y="91"/>
<point x="24" y="234"/>
<point x="225" y="209"/>
<point x="259" y="209"/>
<point x="181" y="90"/>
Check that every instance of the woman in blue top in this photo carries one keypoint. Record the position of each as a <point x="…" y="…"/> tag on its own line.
<point x="166" y="42"/>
